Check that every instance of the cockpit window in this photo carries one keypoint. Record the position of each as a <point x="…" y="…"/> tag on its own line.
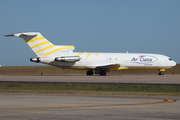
<point x="170" y="59"/>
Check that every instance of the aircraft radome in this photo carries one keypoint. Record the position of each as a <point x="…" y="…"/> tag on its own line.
<point x="64" y="57"/>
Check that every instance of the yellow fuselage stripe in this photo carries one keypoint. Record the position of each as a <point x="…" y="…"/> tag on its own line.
<point x="140" y="68"/>
<point x="125" y="68"/>
<point x="96" y="54"/>
<point x="42" y="43"/>
<point x="48" y="47"/>
<point x="36" y="39"/>
<point x="88" y="56"/>
<point x="58" y="49"/>
<point x="162" y="69"/>
<point x="79" y="54"/>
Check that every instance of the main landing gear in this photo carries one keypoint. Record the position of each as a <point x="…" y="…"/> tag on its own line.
<point x="89" y="72"/>
<point x="100" y="72"/>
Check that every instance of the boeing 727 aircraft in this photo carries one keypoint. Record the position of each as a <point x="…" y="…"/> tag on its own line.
<point x="64" y="57"/>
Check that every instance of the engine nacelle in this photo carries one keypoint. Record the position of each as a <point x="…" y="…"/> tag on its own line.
<point x="60" y="59"/>
<point x="34" y="59"/>
<point x="42" y="59"/>
<point x="68" y="59"/>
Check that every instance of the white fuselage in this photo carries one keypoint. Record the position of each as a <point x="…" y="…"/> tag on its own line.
<point x="125" y="61"/>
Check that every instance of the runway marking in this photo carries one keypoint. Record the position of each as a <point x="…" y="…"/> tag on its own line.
<point x="163" y="101"/>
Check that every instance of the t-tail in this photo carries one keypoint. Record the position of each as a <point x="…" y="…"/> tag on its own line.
<point x="41" y="46"/>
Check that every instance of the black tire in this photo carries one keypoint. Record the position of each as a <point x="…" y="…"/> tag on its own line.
<point x="89" y="72"/>
<point x="103" y="73"/>
<point x="161" y="73"/>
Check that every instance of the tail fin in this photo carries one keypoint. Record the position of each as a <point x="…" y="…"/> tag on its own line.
<point x="41" y="46"/>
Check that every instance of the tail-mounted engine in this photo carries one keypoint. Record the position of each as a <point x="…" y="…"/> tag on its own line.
<point x="35" y="59"/>
<point x="59" y="59"/>
<point x="68" y="59"/>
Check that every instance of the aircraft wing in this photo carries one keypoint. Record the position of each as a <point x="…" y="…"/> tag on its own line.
<point x="110" y="65"/>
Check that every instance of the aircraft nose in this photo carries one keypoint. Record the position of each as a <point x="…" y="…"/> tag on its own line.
<point x="173" y="63"/>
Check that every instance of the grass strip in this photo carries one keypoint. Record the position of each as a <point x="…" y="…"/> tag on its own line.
<point x="77" y="88"/>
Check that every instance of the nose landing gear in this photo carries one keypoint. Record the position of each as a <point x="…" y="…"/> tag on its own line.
<point x="161" y="73"/>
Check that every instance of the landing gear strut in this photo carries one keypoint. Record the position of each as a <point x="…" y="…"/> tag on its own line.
<point x="89" y="72"/>
<point x="161" y="73"/>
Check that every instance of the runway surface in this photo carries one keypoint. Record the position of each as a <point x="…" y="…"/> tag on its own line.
<point x="20" y="106"/>
<point x="42" y="106"/>
<point x="152" y="79"/>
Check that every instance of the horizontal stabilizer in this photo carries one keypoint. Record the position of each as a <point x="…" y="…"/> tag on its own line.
<point x="23" y="35"/>
<point x="9" y="35"/>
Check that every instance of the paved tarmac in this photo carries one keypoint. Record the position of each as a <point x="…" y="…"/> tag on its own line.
<point x="153" y="79"/>
<point x="49" y="106"/>
<point x="32" y="106"/>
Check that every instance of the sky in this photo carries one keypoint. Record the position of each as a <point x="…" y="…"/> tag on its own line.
<point x="136" y="26"/>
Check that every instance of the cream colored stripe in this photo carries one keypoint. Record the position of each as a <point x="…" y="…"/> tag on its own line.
<point x="96" y="54"/>
<point x="36" y="39"/>
<point x="79" y="54"/>
<point x="62" y="48"/>
<point x="42" y="43"/>
<point x="48" y="47"/>
<point x="88" y="55"/>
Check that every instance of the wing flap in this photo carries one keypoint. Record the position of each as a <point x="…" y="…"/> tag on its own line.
<point x="110" y="65"/>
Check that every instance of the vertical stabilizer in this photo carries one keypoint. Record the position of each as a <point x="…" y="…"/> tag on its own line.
<point x="41" y="46"/>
